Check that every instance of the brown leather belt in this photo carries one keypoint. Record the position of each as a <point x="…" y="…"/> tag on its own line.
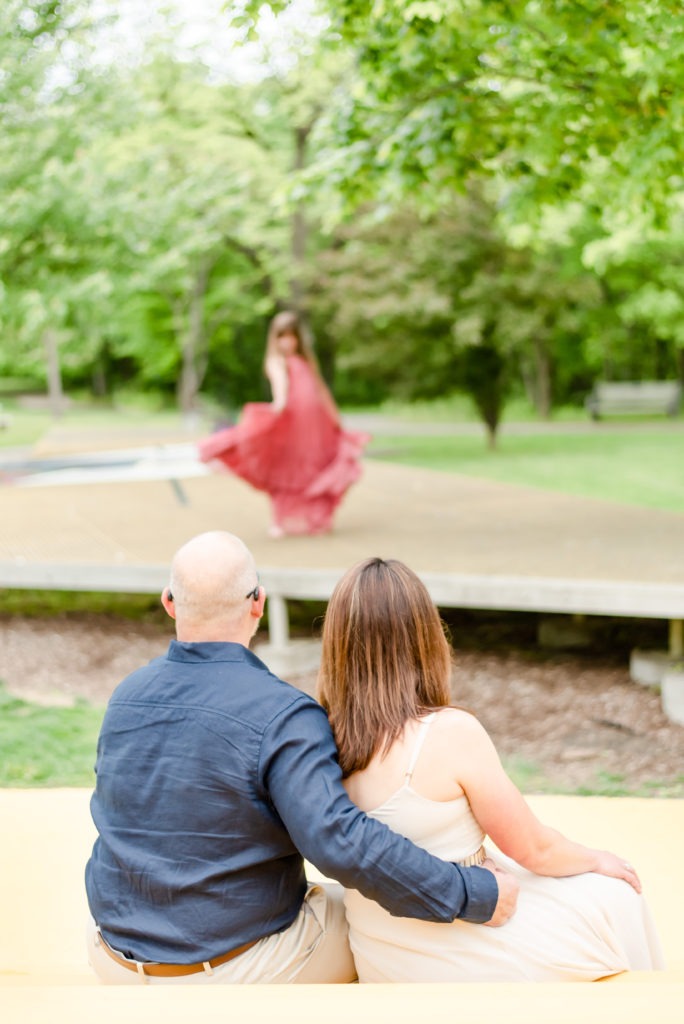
<point x="174" y="970"/>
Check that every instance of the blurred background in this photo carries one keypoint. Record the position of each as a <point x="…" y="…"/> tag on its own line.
<point x="475" y="202"/>
<point x="477" y="207"/>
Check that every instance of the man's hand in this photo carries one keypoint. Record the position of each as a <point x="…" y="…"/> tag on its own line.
<point x="508" y="894"/>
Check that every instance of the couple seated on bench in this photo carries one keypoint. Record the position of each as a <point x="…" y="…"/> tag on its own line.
<point x="215" y="779"/>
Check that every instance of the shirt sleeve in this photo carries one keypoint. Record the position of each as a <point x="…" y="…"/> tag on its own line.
<point x="301" y="777"/>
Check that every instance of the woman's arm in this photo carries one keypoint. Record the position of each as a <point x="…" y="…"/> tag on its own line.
<point x="328" y="401"/>
<point x="504" y="814"/>
<point x="276" y="371"/>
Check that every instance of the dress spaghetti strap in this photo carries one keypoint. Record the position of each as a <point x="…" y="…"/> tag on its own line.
<point x="424" y="724"/>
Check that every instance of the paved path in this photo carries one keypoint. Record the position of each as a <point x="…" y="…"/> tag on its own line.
<point x="137" y="505"/>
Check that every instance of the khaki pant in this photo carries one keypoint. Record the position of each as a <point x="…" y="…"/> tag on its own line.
<point x="313" y="950"/>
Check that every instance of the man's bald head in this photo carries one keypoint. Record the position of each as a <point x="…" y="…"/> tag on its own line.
<point x="210" y="578"/>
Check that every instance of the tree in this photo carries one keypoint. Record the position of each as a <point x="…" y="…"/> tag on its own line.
<point x="50" y="221"/>
<point x="485" y="378"/>
<point x="548" y="100"/>
<point x="565" y="117"/>
<point x="646" y="288"/>
<point x="407" y="297"/>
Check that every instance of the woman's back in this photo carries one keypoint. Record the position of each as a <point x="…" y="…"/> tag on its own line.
<point x="385" y="663"/>
<point x="566" y="929"/>
<point x="411" y="791"/>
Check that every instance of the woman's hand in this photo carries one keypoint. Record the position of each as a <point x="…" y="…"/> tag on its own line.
<point x="615" y="867"/>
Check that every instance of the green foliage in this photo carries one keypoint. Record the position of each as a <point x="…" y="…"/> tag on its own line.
<point x="403" y="297"/>
<point x="419" y="178"/>
<point x="47" y="746"/>
<point x="538" y="95"/>
<point x="565" y="120"/>
<point x="382" y="294"/>
<point x="143" y="225"/>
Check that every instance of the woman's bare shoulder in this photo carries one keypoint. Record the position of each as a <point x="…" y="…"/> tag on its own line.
<point x="452" y="721"/>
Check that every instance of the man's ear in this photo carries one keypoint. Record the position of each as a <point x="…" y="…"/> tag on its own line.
<point x="257" y="607"/>
<point x="167" y="602"/>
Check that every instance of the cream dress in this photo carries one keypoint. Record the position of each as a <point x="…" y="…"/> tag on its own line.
<point x="565" y="929"/>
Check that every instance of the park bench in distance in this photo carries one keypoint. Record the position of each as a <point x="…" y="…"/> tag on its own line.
<point x="634" y="397"/>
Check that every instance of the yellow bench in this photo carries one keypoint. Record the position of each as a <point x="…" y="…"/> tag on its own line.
<point x="44" y="976"/>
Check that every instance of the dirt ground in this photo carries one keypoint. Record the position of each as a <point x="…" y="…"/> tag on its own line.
<point x="567" y="721"/>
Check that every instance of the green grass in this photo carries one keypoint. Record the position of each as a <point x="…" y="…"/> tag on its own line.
<point x="130" y="412"/>
<point x="459" y="408"/>
<point x="44" y="746"/>
<point x="633" y="463"/>
<point x="638" y="467"/>
<point x="611" y="784"/>
<point x="47" y="746"/>
<point x="25" y="428"/>
<point x="45" y="603"/>
<point x="530" y="778"/>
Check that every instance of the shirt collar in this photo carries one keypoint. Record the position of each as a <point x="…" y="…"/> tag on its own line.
<point x="207" y="651"/>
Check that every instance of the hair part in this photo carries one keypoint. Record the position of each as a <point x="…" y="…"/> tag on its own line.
<point x="385" y="659"/>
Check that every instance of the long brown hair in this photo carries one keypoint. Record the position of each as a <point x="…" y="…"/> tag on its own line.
<point x="289" y="322"/>
<point x="385" y="658"/>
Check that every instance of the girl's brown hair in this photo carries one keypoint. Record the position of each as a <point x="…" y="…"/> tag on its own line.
<point x="385" y="658"/>
<point x="289" y="322"/>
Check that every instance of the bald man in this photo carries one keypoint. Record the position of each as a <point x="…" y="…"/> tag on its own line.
<point x="214" y="780"/>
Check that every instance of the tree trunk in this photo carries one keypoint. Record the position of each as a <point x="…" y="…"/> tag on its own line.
<point x="299" y="228"/>
<point x="491" y="436"/>
<point x="188" y="385"/>
<point x="528" y="381"/>
<point x="193" y="345"/>
<point x="542" y="365"/>
<point x="99" y="376"/>
<point x="54" y="373"/>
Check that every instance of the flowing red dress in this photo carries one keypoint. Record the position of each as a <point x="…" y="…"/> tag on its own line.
<point x="300" y="456"/>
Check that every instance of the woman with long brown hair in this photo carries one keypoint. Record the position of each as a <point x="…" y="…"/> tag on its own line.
<point x="293" y="448"/>
<point x="429" y="770"/>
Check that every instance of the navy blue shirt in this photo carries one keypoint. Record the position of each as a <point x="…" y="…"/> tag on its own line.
<point x="214" y="780"/>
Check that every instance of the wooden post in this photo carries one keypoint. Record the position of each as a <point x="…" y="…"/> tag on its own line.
<point x="278" y="627"/>
<point x="677" y="638"/>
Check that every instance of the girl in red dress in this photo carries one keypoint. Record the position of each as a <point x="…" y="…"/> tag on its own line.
<point x="294" y="447"/>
